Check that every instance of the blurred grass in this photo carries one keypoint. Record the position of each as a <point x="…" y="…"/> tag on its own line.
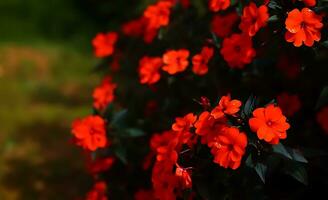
<point x="45" y="82"/>
<point x="43" y="88"/>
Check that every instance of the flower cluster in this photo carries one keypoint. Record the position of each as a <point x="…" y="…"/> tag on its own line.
<point x="227" y="143"/>
<point x="226" y="49"/>
<point x="173" y="62"/>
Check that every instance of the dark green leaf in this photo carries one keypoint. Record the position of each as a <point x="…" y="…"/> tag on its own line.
<point x="297" y="155"/>
<point x="120" y="153"/>
<point x="239" y="8"/>
<point x="215" y="40"/>
<point x="261" y="170"/>
<point x="280" y="149"/>
<point x="133" y="132"/>
<point x="298" y="172"/>
<point x="273" y="101"/>
<point x="249" y="161"/>
<point x="119" y="118"/>
<point x="292" y="154"/>
<point x="109" y="111"/>
<point x="273" y="18"/>
<point x="233" y="2"/>
<point x="249" y="106"/>
<point x="324" y="43"/>
<point x="274" y="5"/>
<point x="161" y="33"/>
<point x="323" y="98"/>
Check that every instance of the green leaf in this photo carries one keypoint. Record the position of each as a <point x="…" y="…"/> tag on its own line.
<point x="233" y="2"/>
<point x="274" y="5"/>
<point x="324" y="43"/>
<point x="292" y="154"/>
<point x="280" y="149"/>
<point x="133" y="132"/>
<point x="239" y="8"/>
<point x="273" y="101"/>
<point x="118" y="120"/>
<point x="323" y="98"/>
<point x="249" y="161"/>
<point x="109" y="111"/>
<point x="273" y="18"/>
<point x="249" y="106"/>
<point x="215" y="40"/>
<point x="161" y="33"/>
<point x="298" y="172"/>
<point x="297" y="155"/>
<point x="120" y="153"/>
<point x="261" y="170"/>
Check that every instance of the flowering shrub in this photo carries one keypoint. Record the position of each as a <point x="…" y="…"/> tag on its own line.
<point x="218" y="99"/>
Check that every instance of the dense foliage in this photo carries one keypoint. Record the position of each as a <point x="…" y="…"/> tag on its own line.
<point x="218" y="99"/>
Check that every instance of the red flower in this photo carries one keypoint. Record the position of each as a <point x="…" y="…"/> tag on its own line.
<point x="184" y="123"/>
<point x="303" y="26"/>
<point x="134" y="27"/>
<point x="149" y="69"/>
<point x="216" y="5"/>
<point x="208" y="128"/>
<point x="184" y="177"/>
<point x="322" y="118"/>
<point x="90" y="132"/>
<point x="165" y="182"/>
<point x="253" y="18"/>
<point x="200" y="61"/>
<point x="230" y="148"/>
<point x="98" y="192"/>
<point x="238" y="50"/>
<point x="149" y="35"/>
<point x="289" y="104"/>
<point x="158" y="15"/>
<point x="164" y="145"/>
<point x="158" y="140"/>
<point x="175" y="61"/>
<point x="222" y="25"/>
<point x="309" y="3"/>
<point x="103" y="94"/>
<point x="226" y="106"/>
<point x="100" y="165"/>
<point x="103" y="44"/>
<point x="139" y="28"/>
<point x="269" y="123"/>
<point x="144" y="195"/>
<point x="206" y="124"/>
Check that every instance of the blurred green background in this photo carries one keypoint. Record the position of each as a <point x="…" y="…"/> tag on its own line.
<point x="46" y="81"/>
